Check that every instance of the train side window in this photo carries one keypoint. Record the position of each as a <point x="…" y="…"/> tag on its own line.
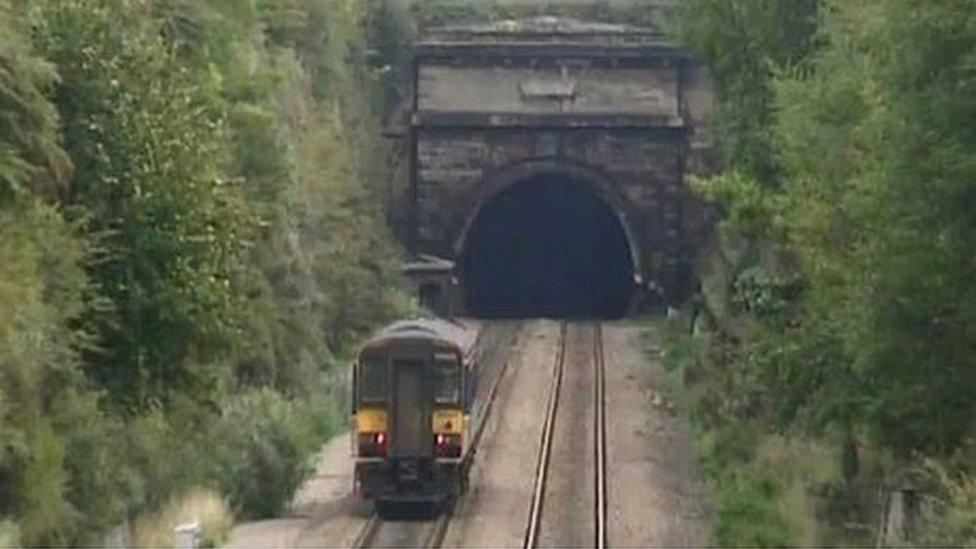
<point x="372" y="379"/>
<point x="446" y="378"/>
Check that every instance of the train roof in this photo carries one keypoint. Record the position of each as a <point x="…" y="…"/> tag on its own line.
<point x="460" y="336"/>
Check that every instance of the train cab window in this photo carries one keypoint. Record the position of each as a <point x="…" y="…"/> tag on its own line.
<point x="372" y="379"/>
<point x="446" y="378"/>
<point x="430" y="296"/>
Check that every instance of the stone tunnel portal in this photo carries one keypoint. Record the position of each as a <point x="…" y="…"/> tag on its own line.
<point x="547" y="246"/>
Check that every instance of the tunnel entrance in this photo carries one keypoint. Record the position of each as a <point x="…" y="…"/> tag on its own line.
<point x="549" y="246"/>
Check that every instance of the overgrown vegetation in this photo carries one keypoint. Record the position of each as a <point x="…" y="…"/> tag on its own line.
<point x="191" y="242"/>
<point x="428" y="13"/>
<point x="837" y="309"/>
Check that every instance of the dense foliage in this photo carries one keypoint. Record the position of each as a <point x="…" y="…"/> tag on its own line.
<point x="838" y="299"/>
<point x="191" y="242"/>
<point x="191" y="200"/>
<point x="428" y="13"/>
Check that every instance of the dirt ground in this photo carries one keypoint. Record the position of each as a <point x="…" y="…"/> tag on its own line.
<point x="655" y="494"/>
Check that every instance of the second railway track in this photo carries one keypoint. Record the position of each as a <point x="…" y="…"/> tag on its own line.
<point x="553" y="520"/>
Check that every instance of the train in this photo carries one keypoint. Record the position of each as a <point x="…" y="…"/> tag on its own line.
<point x="415" y="385"/>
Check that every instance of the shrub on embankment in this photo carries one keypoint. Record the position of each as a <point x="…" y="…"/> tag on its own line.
<point x="190" y="243"/>
<point x="836" y="317"/>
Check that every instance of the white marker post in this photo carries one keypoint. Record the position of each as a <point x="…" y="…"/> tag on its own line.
<point x="187" y="535"/>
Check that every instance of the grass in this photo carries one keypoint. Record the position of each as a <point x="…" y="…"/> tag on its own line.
<point x="951" y="508"/>
<point x="764" y="485"/>
<point x="203" y="506"/>
<point x="9" y="534"/>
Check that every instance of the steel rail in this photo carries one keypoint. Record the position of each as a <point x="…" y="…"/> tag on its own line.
<point x="368" y="532"/>
<point x="436" y="535"/>
<point x="600" y="440"/>
<point x="545" y="448"/>
<point x="432" y="536"/>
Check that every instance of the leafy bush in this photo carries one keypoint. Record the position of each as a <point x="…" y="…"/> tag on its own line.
<point x="951" y="515"/>
<point x="749" y="514"/>
<point x="265" y="444"/>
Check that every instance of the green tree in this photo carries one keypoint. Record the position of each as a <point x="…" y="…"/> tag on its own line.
<point x="149" y="184"/>
<point x="32" y="161"/>
<point x="886" y="229"/>
<point x="190" y="241"/>
<point x="744" y="43"/>
<point x="842" y="279"/>
<point x="304" y="142"/>
<point x="42" y="293"/>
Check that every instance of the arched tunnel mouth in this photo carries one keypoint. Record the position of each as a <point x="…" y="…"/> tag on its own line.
<point x="548" y="246"/>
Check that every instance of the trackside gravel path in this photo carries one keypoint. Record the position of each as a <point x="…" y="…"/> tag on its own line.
<point x="655" y="495"/>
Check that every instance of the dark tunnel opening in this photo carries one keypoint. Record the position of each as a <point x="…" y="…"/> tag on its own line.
<point x="547" y="247"/>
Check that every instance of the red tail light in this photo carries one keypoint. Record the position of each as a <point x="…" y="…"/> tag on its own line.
<point x="447" y="444"/>
<point x="372" y="444"/>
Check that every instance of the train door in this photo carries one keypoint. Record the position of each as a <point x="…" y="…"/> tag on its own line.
<point x="411" y="435"/>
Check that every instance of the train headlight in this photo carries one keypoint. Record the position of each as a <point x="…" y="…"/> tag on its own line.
<point x="372" y="444"/>
<point x="447" y="444"/>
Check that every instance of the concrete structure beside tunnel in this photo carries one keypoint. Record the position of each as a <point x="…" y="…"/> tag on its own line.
<point x="613" y="109"/>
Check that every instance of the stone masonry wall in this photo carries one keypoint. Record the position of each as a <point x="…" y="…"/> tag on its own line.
<point x="643" y="168"/>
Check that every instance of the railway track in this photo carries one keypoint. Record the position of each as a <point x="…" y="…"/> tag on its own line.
<point x="537" y="511"/>
<point x="587" y="344"/>
<point x="379" y="532"/>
